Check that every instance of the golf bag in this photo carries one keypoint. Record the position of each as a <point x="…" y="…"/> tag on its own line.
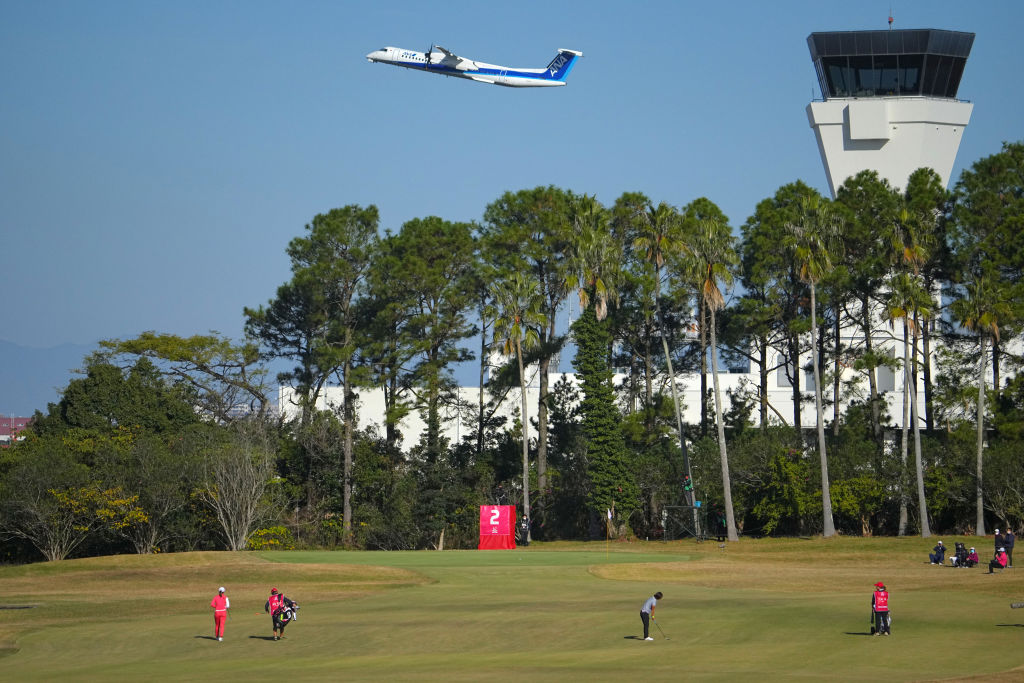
<point x="960" y="556"/>
<point x="285" y="614"/>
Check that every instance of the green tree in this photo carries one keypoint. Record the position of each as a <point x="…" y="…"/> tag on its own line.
<point x="777" y="289"/>
<point x="815" y="242"/>
<point x="532" y="229"/>
<point x="611" y="483"/>
<point x="432" y="262"/>
<point x="908" y="301"/>
<point x="517" y="318"/>
<point x="981" y="311"/>
<point x="221" y="375"/>
<point x="109" y="397"/>
<point x="711" y="258"/>
<point x="54" y="502"/>
<point x="661" y="237"/>
<point x="314" y="318"/>
<point x="871" y="206"/>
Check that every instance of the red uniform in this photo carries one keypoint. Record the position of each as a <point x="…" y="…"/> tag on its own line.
<point x="880" y="610"/>
<point x="220" y="606"/>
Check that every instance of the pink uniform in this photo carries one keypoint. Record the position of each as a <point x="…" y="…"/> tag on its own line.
<point x="220" y="605"/>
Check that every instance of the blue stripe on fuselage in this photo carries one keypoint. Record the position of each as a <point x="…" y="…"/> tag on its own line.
<point x="490" y="73"/>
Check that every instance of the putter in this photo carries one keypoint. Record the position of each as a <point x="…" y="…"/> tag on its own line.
<point x="659" y="628"/>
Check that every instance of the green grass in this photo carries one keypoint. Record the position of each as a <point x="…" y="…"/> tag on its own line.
<point x="757" y="610"/>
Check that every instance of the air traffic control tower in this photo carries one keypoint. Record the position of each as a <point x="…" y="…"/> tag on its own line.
<point x="889" y="102"/>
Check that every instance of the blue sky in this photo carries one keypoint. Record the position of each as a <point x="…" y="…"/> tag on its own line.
<point x="156" y="158"/>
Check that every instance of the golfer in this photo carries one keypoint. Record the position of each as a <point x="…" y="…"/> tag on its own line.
<point x="220" y="605"/>
<point x="647" y="613"/>
<point x="276" y="605"/>
<point x="880" y="609"/>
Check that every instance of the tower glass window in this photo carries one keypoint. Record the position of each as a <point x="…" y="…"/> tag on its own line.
<point x="926" y="62"/>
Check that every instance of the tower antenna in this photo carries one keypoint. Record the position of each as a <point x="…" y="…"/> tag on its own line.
<point x="890" y="17"/>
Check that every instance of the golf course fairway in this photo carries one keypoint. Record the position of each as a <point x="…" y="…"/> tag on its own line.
<point x="755" y="610"/>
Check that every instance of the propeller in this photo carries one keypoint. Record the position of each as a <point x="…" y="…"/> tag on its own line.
<point x="430" y="55"/>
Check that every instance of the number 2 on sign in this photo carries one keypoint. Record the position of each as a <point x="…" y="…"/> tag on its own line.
<point x="495" y="515"/>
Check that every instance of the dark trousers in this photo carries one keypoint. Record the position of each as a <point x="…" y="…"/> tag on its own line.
<point x="1009" y="556"/>
<point x="646" y="618"/>
<point x="881" y="622"/>
<point x="994" y="564"/>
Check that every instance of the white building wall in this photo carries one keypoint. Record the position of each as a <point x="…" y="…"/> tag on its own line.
<point x="370" y="410"/>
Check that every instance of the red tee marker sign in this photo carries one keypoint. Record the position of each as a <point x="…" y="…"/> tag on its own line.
<point x="497" y="527"/>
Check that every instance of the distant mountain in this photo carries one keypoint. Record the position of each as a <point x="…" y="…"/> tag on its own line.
<point x="31" y="378"/>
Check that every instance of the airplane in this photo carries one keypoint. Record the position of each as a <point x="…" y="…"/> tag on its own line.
<point x="450" y="64"/>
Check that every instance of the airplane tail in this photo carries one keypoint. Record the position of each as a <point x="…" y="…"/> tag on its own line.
<point x="561" y="65"/>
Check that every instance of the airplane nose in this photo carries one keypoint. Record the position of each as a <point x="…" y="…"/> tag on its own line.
<point x="375" y="55"/>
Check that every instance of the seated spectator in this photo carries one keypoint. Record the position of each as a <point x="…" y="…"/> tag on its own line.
<point x="939" y="554"/>
<point x="999" y="562"/>
<point x="972" y="558"/>
<point x="959" y="557"/>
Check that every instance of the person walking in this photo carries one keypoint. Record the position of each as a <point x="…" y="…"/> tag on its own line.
<point x="1008" y="540"/>
<point x="880" y="609"/>
<point x="277" y="604"/>
<point x="220" y="605"/>
<point x="647" y="613"/>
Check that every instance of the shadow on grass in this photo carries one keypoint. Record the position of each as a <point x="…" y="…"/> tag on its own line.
<point x="207" y="637"/>
<point x="858" y="633"/>
<point x="1017" y="625"/>
<point x="632" y="637"/>
<point x="261" y="637"/>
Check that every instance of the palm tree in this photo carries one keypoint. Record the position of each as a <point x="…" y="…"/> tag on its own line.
<point x="909" y="301"/>
<point x="815" y="241"/>
<point x="710" y="257"/>
<point x="660" y="237"/>
<point x="596" y="259"/>
<point x="982" y="311"/>
<point x="517" y="320"/>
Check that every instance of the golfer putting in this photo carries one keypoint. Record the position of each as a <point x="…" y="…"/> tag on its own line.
<point x="647" y="615"/>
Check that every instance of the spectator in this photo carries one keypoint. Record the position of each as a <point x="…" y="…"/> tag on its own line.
<point x="999" y="562"/>
<point x="972" y="558"/>
<point x="998" y="541"/>
<point x="938" y="556"/>
<point x="1008" y="541"/>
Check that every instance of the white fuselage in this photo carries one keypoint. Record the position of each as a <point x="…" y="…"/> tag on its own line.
<point x="447" y="64"/>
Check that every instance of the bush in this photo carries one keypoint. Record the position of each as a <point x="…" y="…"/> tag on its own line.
<point x="274" y="538"/>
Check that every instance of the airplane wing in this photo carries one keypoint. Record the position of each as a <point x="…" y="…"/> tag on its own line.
<point x="452" y="59"/>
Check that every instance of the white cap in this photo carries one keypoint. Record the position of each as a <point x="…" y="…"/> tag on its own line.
<point x="221" y="589"/>
<point x="1002" y="550"/>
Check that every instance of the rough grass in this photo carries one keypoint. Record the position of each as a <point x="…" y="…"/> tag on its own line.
<point x="755" y="610"/>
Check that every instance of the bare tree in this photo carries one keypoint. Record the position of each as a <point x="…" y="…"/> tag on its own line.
<point x="240" y="484"/>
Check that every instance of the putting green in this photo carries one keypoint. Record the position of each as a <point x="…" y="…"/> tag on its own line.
<point x="755" y="610"/>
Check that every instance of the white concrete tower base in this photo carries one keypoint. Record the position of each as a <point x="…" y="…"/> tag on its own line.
<point x="894" y="136"/>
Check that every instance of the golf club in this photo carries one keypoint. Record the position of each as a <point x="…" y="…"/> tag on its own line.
<point x="659" y="628"/>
